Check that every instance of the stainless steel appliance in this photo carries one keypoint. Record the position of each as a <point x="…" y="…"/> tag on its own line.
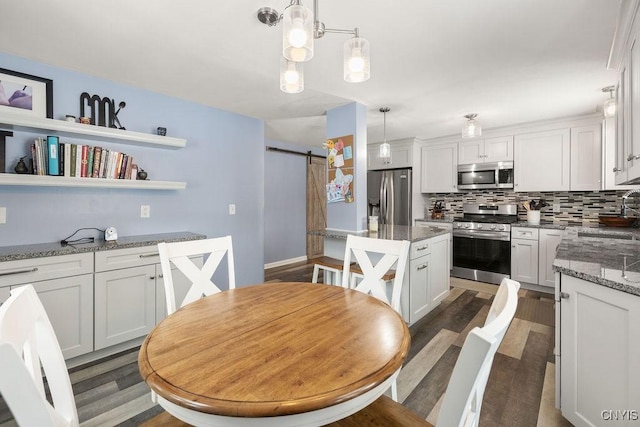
<point x="389" y="196"/>
<point x="482" y="242"/>
<point x="485" y="175"/>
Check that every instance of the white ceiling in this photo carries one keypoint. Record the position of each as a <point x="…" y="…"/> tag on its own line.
<point x="432" y="61"/>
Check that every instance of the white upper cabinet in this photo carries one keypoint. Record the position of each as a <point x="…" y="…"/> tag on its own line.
<point x="401" y="156"/>
<point x="542" y="161"/>
<point x="586" y="158"/>
<point x="486" y="150"/>
<point x="439" y="168"/>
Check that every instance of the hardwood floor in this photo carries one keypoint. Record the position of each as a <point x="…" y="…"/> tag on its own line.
<point x="520" y="391"/>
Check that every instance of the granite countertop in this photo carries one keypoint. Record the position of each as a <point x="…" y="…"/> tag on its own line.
<point x="13" y="253"/>
<point x="388" y="232"/>
<point x="590" y="253"/>
<point x="446" y="218"/>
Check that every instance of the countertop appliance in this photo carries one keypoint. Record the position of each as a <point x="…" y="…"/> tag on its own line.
<point x="485" y="175"/>
<point x="482" y="242"/>
<point x="389" y="196"/>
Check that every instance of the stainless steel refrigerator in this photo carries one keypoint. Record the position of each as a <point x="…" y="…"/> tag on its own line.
<point x="389" y="196"/>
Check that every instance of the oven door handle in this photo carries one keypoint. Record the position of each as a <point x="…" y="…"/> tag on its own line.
<point x="505" y="237"/>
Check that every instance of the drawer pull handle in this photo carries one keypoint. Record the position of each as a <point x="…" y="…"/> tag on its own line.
<point x="631" y="157"/>
<point x="564" y="295"/>
<point x="149" y="255"/>
<point x="160" y="276"/>
<point x="31" y="270"/>
<point x="422" y="248"/>
<point x="152" y="277"/>
<point x="423" y="266"/>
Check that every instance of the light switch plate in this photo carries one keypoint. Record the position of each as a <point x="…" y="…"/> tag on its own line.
<point x="3" y="215"/>
<point x="232" y="209"/>
<point x="145" y="211"/>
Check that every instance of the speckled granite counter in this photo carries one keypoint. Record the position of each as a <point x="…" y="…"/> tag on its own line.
<point x="388" y="232"/>
<point x="590" y="253"/>
<point x="543" y="225"/>
<point x="448" y="219"/>
<point x="13" y="253"/>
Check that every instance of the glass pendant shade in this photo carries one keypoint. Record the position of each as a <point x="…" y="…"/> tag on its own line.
<point x="297" y="34"/>
<point x="291" y="76"/>
<point x="471" y="128"/>
<point x="385" y="151"/>
<point x="357" y="66"/>
<point x="609" y="107"/>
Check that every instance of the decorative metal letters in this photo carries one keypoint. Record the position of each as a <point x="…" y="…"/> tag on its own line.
<point x="102" y="110"/>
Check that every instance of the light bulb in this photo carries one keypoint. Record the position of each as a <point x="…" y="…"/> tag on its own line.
<point x="610" y="107"/>
<point x="297" y="35"/>
<point x="291" y="77"/>
<point x="356" y="63"/>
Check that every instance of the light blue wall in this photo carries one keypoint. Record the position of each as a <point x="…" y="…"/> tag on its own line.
<point x="222" y="163"/>
<point x="350" y="119"/>
<point x="285" y="208"/>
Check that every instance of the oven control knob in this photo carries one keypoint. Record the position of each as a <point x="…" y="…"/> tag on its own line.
<point x="459" y="225"/>
<point x="466" y="226"/>
<point x="502" y="228"/>
<point x="479" y="226"/>
<point x="493" y="227"/>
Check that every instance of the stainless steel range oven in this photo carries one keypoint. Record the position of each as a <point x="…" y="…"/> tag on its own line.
<point x="482" y="242"/>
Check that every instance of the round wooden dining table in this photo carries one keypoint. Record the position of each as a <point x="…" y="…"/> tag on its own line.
<point x="284" y="353"/>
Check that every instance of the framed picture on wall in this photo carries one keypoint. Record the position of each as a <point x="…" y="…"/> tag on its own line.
<point x="25" y="94"/>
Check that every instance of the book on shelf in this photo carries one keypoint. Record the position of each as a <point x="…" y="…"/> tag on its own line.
<point x="97" y="154"/>
<point x="52" y="155"/>
<point x="85" y="160"/>
<point x="78" y="161"/>
<point x="67" y="159"/>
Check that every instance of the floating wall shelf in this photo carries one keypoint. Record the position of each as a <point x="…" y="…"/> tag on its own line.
<point x="64" y="181"/>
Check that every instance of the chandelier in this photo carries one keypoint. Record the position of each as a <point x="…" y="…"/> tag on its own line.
<point x="609" y="106"/>
<point x="300" y="27"/>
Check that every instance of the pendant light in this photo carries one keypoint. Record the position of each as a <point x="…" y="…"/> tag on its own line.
<point x="297" y="34"/>
<point x="609" y="106"/>
<point x="291" y="76"/>
<point x="471" y="128"/>
<point x="385" y="148"/>
<point x="357" y="66"/>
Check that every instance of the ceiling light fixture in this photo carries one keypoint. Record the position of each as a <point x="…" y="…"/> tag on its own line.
<point x="385" y="148"/>
<point x="609" y="106"/>
<point x="300" y="28"/>
<point x="471" y="128"/>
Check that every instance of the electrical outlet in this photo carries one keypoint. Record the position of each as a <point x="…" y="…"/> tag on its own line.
<point x="145" y="211"/>
<point x="556" y="207"/>
<point x="3" y="215"/>
<point x="232" y="209"/>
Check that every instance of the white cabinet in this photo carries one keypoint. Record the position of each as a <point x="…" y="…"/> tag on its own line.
<point x="439" y="172"/>
<point x="439" y="283"/>
<point x="542" y="161"/>
<point x="418" y="285"/>
<point x="401" y="156"/>
<point x="447" y="226"/>
<point x="498" y="149"/>
<point x="524" y="254"/>
<point x="547" y="247"/>
<point x="65" y="286"/>
<point x="599" y="358"/>
<point x="586" y="158"/>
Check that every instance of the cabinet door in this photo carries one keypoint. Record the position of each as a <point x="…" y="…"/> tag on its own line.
<point x="632" y="116"/>
<point x="446" y="225"/>
<point x="419" y="300"/>
<point x="599" y="352"/>
<point x="586" y="158"/>
<point x="548" y="246"/>
<point x="181" y="286"/>
<point x="498" y="149"/>
<point x="470" y="152"/>
<point x="524" y="260"/>
<point x="125" y="305"/>
<point x="620" y="168"/>
<point x="69" y="306"/>
<point x="439" y="168"/>
<point x="439" y="270"/>
<point x="542" y="161"/>
<point x="373" y="157"/>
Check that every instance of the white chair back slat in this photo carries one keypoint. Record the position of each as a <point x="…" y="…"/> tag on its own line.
<point x="29" y="347"/>
<point x="463" y="398"/>
<point x="392" y="253"/>
<point x="178" y="254"/>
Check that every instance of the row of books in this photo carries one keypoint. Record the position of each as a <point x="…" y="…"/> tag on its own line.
<point x="52" y="157"/>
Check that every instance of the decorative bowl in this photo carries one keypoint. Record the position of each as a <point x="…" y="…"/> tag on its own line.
<point x="614" y="220"/>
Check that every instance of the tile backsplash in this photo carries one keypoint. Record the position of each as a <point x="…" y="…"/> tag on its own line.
<point x="575" y="207"/>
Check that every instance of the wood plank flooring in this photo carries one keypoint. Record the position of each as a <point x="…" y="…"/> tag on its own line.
<point x="520" y="391"/>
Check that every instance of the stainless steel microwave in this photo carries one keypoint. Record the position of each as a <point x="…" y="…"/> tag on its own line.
<point x="480" y="176"/>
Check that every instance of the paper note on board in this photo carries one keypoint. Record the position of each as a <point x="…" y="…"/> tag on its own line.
<point x="338" y="161"/>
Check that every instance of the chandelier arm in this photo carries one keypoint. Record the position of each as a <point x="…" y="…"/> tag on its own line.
<point x="339" y="31"/>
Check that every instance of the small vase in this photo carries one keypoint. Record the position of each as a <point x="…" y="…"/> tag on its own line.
<point x="142" y="175"/>
<point x="533" y="217"/>
<point x="21" y="167"/>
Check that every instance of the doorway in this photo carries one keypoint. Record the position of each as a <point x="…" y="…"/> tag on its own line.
<point x="316" y="205"/>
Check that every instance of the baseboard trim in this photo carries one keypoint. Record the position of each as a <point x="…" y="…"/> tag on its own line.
<point x="285" y="262"/>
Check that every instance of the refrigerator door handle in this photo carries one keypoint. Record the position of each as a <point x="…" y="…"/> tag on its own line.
<point x="383" y="199"/>
<point x="391" y="203"/>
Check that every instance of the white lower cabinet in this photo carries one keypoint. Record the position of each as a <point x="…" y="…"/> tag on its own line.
<point x="125" y="304"/>
<point x="599" y="358"/>
<point x="419" y="301"/>
<point x="447" y="226"/>
<point x="439" y="284"/>
<point x="547" y="248"/>
<point x="65" y="287"/>
<point x="524" y="254"/>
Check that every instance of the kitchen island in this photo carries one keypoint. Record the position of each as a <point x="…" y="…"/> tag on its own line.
<point x="598" y="325"/>
<point x="426" y="280"/>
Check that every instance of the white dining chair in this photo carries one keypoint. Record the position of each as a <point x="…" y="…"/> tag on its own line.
<point x="391" y="253"/>
<point x="178" y="253"/>
<point x="374" y="278"/>
<point x="28" y="348"/>
<point x="463" y="397"/>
